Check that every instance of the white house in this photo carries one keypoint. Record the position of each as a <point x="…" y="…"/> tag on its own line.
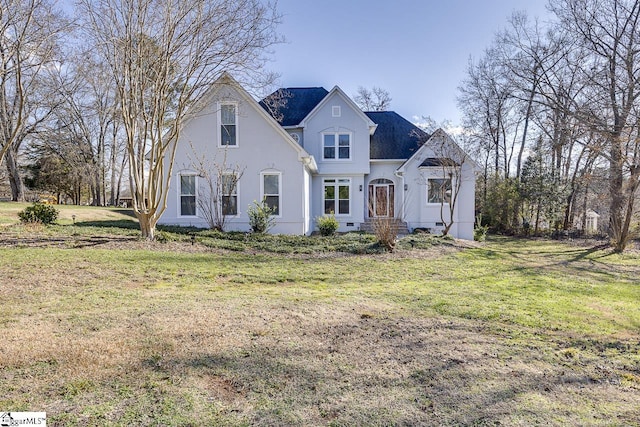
<point x="317" y="153"/>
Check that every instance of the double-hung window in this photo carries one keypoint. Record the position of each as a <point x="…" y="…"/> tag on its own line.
<point x="229" y="189"/>
<point x="187" y="195"/>
<point x="439" y="190"/>
<point x="337" y="196"/>
<point x="336" y="146"/>
<point x="228" y="125"/>
<point x="271" y="186"/>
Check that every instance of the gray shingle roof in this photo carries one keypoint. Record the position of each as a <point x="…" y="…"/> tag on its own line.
<point x="297" y="103"/>
<point x="395" y="137"/>
<point x="439" y="161"/>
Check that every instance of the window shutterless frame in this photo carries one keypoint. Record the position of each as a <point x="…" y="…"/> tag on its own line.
<point x="228" y="124"/>
<point x="336" y="146"/>
<point x="188" y="190"/>
<point x="336" y="197"/>
<point x="271" y="191"/>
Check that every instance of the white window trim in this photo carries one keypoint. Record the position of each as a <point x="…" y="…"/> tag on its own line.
<point x="272" y="172"/>
<point x="180" y="175"/>
<point x="337" y="146"/>
<point x="427" y="192"/>
<point x="336" y="111"/>
<point x="336" y="184"/>
<point x="219" y="121"/>
<point x="237" y="194"/>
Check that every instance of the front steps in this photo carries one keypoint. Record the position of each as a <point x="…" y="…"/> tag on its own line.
<point x="400" y="227"/>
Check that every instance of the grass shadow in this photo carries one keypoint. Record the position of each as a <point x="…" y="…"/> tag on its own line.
<point x="127" y="212"/>
<point x="128" y="224"/>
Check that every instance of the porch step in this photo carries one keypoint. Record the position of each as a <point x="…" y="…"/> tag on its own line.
<point x="399" y="226"/>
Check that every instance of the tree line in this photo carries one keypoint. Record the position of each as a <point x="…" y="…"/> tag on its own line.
<point x="551" y="110"/>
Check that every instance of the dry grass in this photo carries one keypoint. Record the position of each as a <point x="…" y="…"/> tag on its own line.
<point x="127" y="332"/>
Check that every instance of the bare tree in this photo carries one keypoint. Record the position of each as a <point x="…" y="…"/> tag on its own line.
<point x="453" y="162"/>
<point x="163" y="56"/>
<point x="30" y="32"/>
<point x="376" y="99"/>
<point x="608" y="31"/>
<point x="218" y="192"/>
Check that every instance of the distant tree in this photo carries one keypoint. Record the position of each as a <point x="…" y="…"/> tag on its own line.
<point x="543" y="191"/>
<point x="607" y="31"/>
<point x="376" y="99"/>
<point x="163" y="57"/>
<point x="275" y="103"/>
<point x="30" y="38"/>
<point x="50" y="173"/>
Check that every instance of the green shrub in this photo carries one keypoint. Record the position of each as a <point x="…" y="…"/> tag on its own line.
<point x="327" y="224"/>
<point x="261" y="217"/>
<point x="480" y="233"/>
<point x="40" y="213"/>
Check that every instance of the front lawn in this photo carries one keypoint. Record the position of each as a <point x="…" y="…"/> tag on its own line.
<point x="101" y="328"/>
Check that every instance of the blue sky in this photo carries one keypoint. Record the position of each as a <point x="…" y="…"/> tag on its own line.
<point x="418" y="50"/>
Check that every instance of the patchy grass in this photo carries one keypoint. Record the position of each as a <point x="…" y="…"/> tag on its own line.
<point x="126" y="332"/>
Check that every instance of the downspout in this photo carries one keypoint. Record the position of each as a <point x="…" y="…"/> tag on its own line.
<point x="402" y="192"/>
<point x="308" y="166"/>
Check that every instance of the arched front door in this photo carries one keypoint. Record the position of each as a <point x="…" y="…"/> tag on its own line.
<point x="381" y="198"/>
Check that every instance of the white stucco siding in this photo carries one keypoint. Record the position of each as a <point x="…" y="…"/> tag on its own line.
<point x="323" y="121"/>
<point x="348" y="222"/>
<point x="419" y="213"/>
<point x="386" y="170"/>
<point x="261" y="148"/>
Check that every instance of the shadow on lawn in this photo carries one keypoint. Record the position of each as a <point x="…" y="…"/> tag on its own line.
<point x="119" y="223"/>
<point x="538" y="257"/>
<point x="398" y="372"/>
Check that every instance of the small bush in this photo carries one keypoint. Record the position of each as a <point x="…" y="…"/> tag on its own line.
<point x="260" y="217"/>
<point x="38" y="213"/>
<point x="480" y="233"/>
<point x="386" y="231"/>
<point x="327" y="224"/>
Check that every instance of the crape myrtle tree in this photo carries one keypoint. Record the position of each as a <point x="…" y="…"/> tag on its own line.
<point x="163" y="56"/>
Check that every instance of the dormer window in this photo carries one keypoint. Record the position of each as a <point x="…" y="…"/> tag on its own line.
<point x="336" y="146"/>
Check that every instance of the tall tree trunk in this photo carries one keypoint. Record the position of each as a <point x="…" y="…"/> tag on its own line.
<point x="568" y="211"/>
<point x="97" y="187"/>
<point x="616" y="181"/>
<point x="15" y="180"/>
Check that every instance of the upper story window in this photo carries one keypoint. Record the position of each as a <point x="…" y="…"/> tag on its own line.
<point x="439" y="190"/>
<point x="336" y="146"/>
<point x="228" y="125"/>
<point x="187" y="195"/>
